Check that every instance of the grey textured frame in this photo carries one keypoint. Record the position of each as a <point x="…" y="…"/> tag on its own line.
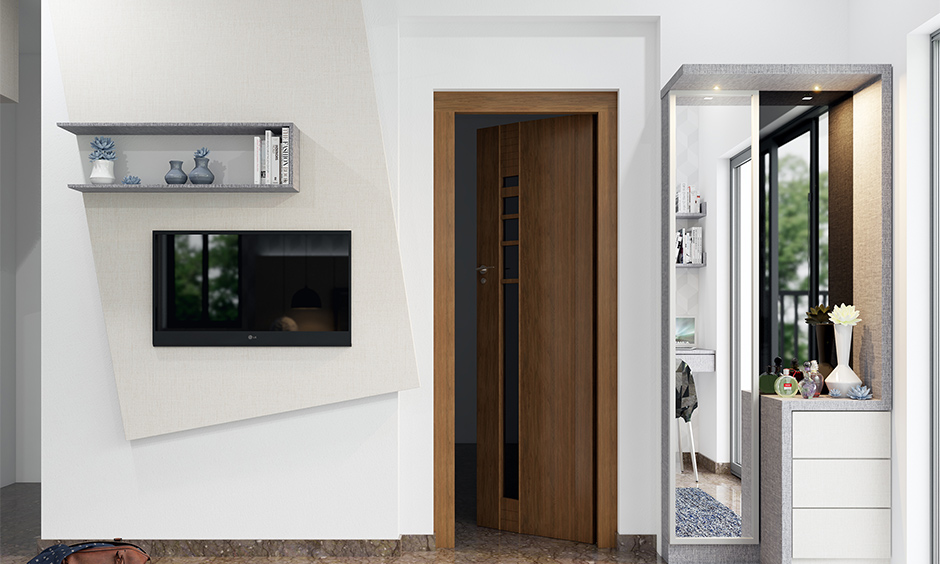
<point x="774" y="463"/>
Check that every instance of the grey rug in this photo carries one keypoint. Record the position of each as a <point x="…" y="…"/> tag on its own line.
<point x="700" y="515"/>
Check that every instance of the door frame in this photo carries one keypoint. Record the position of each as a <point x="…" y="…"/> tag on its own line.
<point x="603" y="105"/>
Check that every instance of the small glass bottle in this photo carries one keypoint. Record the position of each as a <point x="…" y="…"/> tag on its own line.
<point x="816" y="376"/>
<point x="766" y="381"/>
<point x="795" y="370"/>
<point x="786" y="386"/>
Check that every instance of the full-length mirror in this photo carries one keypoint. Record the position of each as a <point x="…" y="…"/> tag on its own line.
<point x="713" y="474"/>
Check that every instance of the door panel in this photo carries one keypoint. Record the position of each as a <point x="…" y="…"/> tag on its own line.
<point x="539" y="177"/>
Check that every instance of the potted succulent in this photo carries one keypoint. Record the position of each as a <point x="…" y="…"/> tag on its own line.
<point x="102" y="161"/>
<point x="818" y="318"/>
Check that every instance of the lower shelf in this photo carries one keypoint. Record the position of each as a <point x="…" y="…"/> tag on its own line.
<point x="183" y="188"/>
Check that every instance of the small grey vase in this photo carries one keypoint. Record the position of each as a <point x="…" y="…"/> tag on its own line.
<point x="201" y="174"/>
<point x="176" y="174"/>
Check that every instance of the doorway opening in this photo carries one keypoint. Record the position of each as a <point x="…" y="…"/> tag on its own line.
<point x="448" y="105"/>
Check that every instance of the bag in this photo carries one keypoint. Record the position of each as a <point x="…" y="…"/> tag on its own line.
<point x="92" y="553"/>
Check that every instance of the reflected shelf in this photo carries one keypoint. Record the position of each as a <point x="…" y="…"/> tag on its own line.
<point x="185" y="188"/>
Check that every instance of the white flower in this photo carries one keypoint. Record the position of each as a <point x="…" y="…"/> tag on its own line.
<point x="844" y="315"/>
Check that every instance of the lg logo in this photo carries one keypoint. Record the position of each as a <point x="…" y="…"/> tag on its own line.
<point x="252" y="337"/>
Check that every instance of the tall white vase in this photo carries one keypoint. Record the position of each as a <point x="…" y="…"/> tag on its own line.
<point x="843" y="378"/>
<point x="102" y="172"/>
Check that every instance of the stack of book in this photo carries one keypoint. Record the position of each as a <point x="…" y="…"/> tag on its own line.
<point x="688" y="199"/>
<point x="689" y="247"/>
<point x="272" y="157"/>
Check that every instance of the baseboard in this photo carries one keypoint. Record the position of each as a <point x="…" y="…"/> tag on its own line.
<point x="276" y="548"/>
<point x="706" y="464"/>
<point x="641" y="547"/>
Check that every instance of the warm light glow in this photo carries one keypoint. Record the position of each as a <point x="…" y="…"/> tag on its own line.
<point x="716" y="87"/>
<point x="817" y="88"/>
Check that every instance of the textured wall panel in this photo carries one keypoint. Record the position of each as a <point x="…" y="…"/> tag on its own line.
<point x="301" y="62"/>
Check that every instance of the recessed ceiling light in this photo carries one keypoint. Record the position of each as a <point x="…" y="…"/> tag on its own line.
<point x="716" y="87"/>
<point x="709" y="97"/>
<point x="817" y="88"/>
<point x="807" y="98"/>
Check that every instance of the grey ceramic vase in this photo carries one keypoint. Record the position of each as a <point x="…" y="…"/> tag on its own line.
<point x="201" y="174"/>
<point x="176" y="174"/>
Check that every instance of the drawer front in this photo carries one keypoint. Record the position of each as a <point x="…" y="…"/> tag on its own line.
<point x="842" y="483"/>
<point x="841" y="533"/>
<point x="841" y="434"/>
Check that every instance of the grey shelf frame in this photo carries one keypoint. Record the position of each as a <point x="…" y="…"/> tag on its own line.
<point x="701" y="215"/>
<point x="218" y="128"/>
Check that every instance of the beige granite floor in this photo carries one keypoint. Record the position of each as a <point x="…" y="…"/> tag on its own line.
<point x="19" y="531"/>
<point x="726" y="488"/>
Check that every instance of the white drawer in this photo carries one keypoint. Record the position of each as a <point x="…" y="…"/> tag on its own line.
<point x="842" y="483"/>
<point x="841" y="533"/>
<point x="841" y="434"/>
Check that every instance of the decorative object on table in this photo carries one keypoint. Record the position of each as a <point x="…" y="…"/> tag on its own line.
<point x="766" y="381"/>
<point x="176" y="174"/>
<point x="102" y="161"/>
<point x="201" y="173"/>
<point x="844" y="318"/>
<point x="786" y="386"/>
<point x="808" y="388"/>
<point x="131" y="179"/>
<point x="818" y="318"/>
<point x="836" y="393"/>
<point x="860" y="393"/>
<point x="795" y="370"/>
<point x="813" y="373"/>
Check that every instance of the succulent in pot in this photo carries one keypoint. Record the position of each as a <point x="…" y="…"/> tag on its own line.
<point x="102" y="161"/>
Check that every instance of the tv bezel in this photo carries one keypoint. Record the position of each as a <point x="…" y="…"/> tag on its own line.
<point x="238" y="338"/>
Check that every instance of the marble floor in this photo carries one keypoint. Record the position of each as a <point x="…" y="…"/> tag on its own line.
<point x="725" y="488"/>
<point x="19" y="531"/>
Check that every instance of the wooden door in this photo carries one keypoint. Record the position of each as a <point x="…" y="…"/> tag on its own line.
<point x="535" y="327"/>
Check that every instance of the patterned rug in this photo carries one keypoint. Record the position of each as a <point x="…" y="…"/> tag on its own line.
<point x="700" y="515"/>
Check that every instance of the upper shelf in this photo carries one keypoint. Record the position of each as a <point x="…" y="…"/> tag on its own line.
<point x="703" y="213"/>
<point x="119" y="128"/>
<point x="144" y="128"/>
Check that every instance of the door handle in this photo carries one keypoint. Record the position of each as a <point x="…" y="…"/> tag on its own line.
<point x="483" y="268"/>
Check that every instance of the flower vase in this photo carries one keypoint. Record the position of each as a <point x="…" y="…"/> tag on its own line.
<point x="102" y="172"/>
<point x="175" y="174"/>
<point x="201" y="173"/>
<point x="843" y="378"/>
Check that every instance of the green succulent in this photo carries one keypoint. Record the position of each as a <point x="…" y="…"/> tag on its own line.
<point x="818" y="315"/>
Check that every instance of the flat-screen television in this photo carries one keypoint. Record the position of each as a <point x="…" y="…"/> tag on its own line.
<point x="251" y="288"/>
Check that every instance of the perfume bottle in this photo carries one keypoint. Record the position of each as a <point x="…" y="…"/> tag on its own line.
<point x="816" y="377"/>
<point x="786" y="386"/>
<point x="795" y="371"/>
<point x="766" y="381"/>
<point x="807" y="387"/>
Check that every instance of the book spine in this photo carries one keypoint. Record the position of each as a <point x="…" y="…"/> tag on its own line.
<point x="686" y="247"/>
<point x="679" y="247"/>
<point x="257" y="147"/>
<point x="275" y="160"/>
<point x="285" y="155"/>
<point x="268" y="170"/>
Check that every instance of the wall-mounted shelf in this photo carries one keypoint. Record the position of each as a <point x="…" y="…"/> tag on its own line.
<point x="186" y="188"/>
<point x="690" y="265"/>
<point x="228" y="129"/>
<point x="703" y="213"/>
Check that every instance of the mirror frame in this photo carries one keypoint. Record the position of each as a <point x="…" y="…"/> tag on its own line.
<point x="772" y="77"/>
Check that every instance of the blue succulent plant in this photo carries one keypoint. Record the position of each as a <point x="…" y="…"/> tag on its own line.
<point x="835" y="393"/>
<point x="103" y="149"/>
<point x="131" y="179"/>
<point x="860" y="392"/>
<point x="201" y="153"/>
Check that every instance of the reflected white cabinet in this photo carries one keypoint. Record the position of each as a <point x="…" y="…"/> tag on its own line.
<point x="847" y="514"/>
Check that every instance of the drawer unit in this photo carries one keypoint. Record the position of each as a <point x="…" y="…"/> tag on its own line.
<point x="841" y="488"/>
<point x="841" y="434"/>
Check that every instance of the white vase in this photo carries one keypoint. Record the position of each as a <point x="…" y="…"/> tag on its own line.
<point x="843" y="378"/>
<point x="102" y="172"/>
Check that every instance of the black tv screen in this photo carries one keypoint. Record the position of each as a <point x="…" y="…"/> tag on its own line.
<point x="251" y="288"/>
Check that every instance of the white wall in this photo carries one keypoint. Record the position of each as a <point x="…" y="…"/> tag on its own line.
<point x="687" y="32"/>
